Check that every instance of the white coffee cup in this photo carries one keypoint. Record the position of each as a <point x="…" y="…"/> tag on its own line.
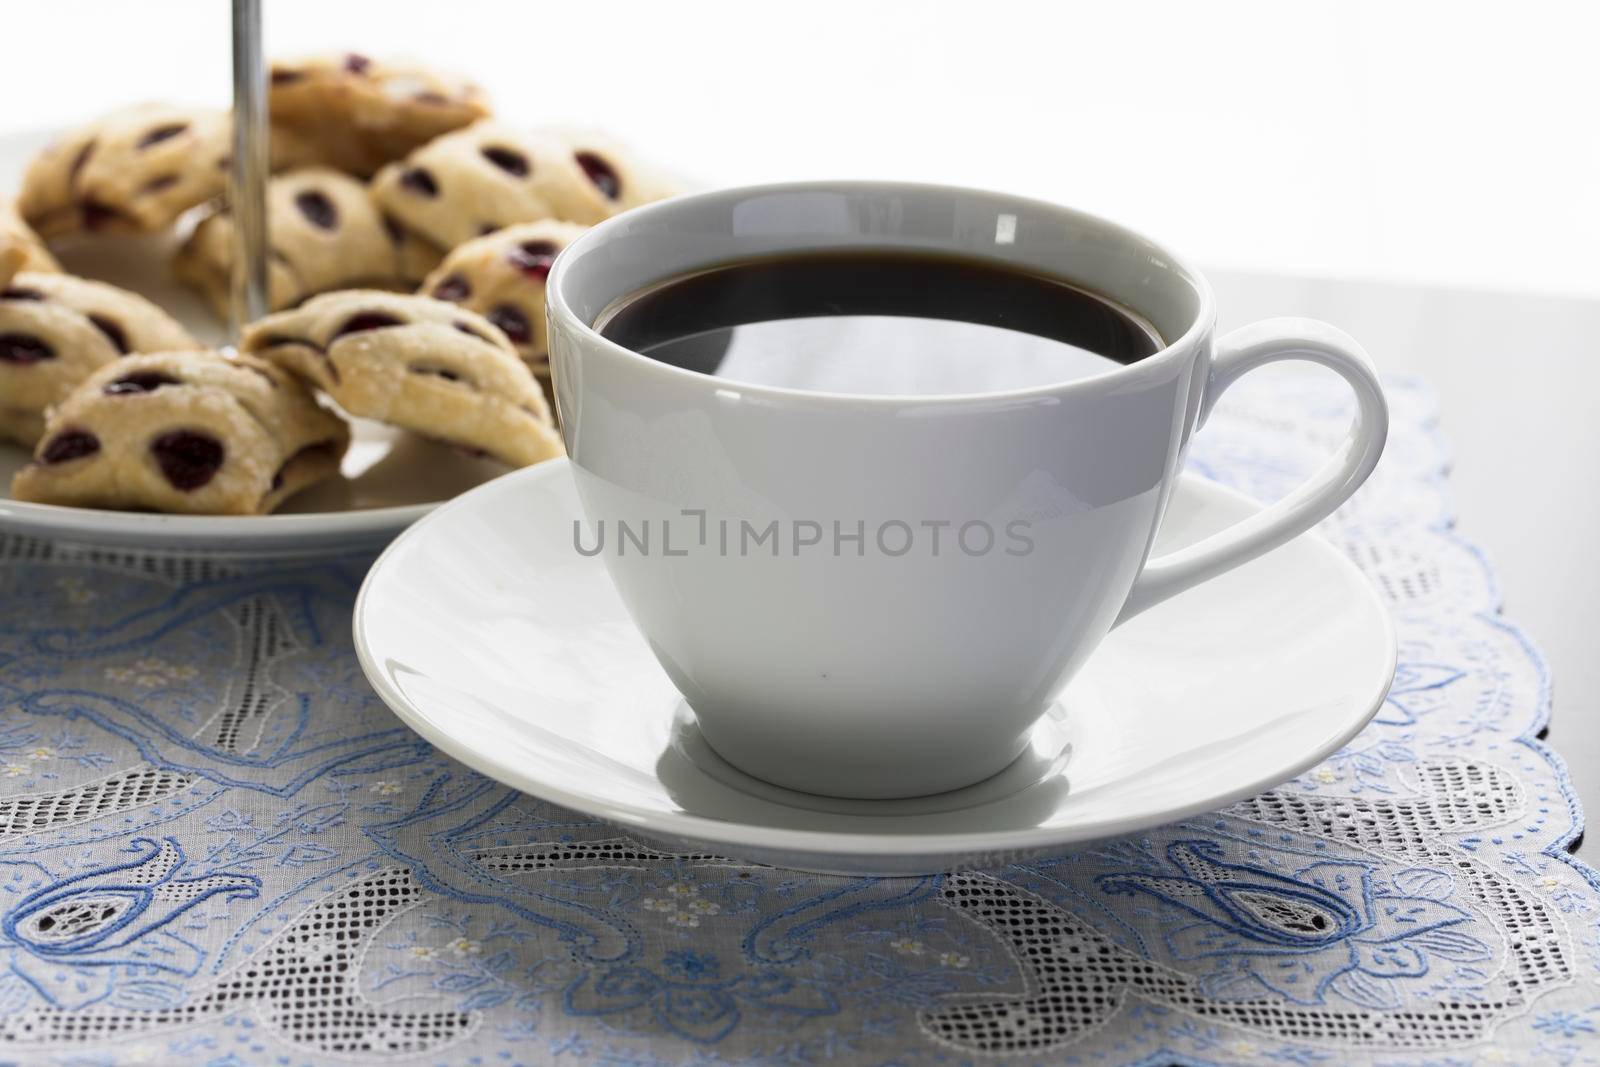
<point x="872" y="672"/>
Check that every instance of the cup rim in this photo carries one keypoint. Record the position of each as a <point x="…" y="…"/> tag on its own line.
<point x="558" y="308"/>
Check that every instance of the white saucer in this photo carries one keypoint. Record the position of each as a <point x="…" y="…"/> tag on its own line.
<point x="488" y="634"/>
<point x="388" y="479"/>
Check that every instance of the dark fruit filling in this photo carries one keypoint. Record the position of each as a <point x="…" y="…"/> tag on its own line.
<point x="70" y="444"/>
<point x="188" y="458"/>
<point x="113" y="332"/>
<point x="512" y="322"/>
<point x="366" y="320"/>
<point x="470" y="332"/>
<point x="420" y="181"/>
<point x="140" y="382"/>
<point x="155" y="185"/>
<point x="533" y="258"/>
<point x="21" y="294"/>
<point x="96" y="215"/>
<point x="454" y="287"/>
<point x="601" y="173"/>
<point x="24" y="349"/>
<point x="318" y="209"/>
<point x="356" y="63"/>
<point x="284" y="77"/>
<point x="162" y="133"/>
<point x="509" y="160"/>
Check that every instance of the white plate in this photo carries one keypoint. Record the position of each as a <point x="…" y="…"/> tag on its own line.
<point x="488" y="634"/>
<point x="389" y="479"/>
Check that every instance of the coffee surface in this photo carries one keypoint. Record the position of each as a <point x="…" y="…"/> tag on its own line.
<point x="879" y="323"/>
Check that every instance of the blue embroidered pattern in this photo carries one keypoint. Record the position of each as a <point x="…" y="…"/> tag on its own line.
<point x="1322" y="930"/>
<point x="109" y="918"/>
<point x="218" y="847"/>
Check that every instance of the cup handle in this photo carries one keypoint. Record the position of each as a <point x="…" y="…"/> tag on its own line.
<point x="1237" y="354"/>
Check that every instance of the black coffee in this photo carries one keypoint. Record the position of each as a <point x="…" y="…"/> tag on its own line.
<point x="879" y="322"/>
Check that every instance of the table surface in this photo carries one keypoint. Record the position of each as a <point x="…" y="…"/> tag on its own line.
<point x="308" y="854"/>
<point x="1517" y="377"/>
<point x="323" y="882"/>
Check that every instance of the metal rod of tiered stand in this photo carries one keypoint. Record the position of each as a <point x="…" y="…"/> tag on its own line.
<point x="248" y="195"/>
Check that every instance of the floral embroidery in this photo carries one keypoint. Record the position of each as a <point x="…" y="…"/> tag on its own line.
<point x="1418" y="689"/>
<point x="151" y="672"/>
<point x="683" y="906"/>
<point x="691" y="916"/>
<point x="110" y="922"/>
<point x="77" y="593"/>
<point x="1566" y="1023"/>
<point x="26" y="755"/>
<point x="691" y="966"/>
<point x="1321" y="931"/>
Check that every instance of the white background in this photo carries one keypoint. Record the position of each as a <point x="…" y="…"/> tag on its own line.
<point x="1450" y="143"/>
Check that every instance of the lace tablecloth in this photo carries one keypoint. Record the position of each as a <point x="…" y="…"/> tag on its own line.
<point x="219" y="847"/>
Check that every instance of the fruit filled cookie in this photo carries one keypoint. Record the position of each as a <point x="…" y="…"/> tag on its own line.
<point x="134" y="170"/>
<point x="360" y="113"/>
<point x="323" y="232"/>
<point x="416" y="362"/>
<point x="490" y="175"/>
<point x="187" y="432"/>
<point x="56" y="330"/>
<point x="501" y="276"/>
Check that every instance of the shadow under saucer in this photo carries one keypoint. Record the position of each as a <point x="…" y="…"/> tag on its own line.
<point x="1028" y="790"/>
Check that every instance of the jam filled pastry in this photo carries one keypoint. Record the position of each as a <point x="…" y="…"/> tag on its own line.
<point x="501" y="276"/>
<point x="323" y="231"/>
<point x="56" y="330"/>
<point x="359" y="113"/>
<point x="189" y="432"/>
<point x="135" y="170"/>
<point x="423" y="364"/>
<point x="489" y="176"/>
<point x="20" y="247"/>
